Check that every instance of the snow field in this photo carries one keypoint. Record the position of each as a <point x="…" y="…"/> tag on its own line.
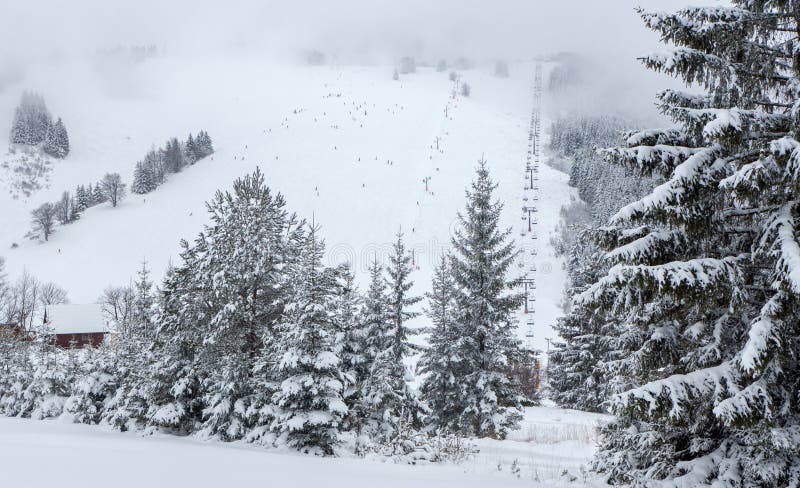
<point x="97" y="456"/>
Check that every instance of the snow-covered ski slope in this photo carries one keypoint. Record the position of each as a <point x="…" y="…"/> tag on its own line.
<point x="346" y="144"/>
<point x="51" y="453"/>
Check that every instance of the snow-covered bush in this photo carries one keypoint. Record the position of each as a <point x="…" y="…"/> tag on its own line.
<point x="409" y="446"/>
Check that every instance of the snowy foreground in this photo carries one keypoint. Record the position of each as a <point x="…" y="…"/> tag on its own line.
<point x="50" y="453"/>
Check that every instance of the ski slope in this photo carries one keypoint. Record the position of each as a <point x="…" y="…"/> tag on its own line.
<point x="345" y="144"/>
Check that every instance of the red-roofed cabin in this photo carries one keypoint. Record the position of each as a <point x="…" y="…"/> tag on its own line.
<point x="73" y="325"/>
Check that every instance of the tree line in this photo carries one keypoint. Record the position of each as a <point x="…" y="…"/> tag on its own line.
<point x="157" y="164"/>
<point x="69" y="207"/>
<point x="252" y="337"/>
<point x="149" y="173"/>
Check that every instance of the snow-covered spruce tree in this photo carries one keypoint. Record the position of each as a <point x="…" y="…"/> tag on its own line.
<point x="350" y="343"/>
<point x="173" y="381"/>
<point x="708" y="269"/>
<point x="309" y="404"/>
<point x="130" y="357"/>
<point x="203" y="145"/>
<point x="190" y="150"/>
<point x="375" y="322"/>
<point x="56" y="142"/>
<point x="93" y="386"/>
<point x="154" y="164"/>
<point x="389" y="399"/>
<point x="32" y="120"/>
<point x="224" y="302"/>
<point x="144" y="179"/>
<point x="440" y="389"/>
<point x="144" y="304"/>
<point x="82" y="199"/>
<point x="581" y="369"/>
<point x="489" y="400"/>
<point x="581" y="365"/>
<point x="98" y="195"/>
<point x="174" y="160"/>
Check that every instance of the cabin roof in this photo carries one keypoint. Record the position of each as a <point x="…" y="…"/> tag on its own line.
<point x="76" y="319"/>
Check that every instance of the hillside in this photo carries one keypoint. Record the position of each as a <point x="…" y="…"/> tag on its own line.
<point x="346" y="145"/>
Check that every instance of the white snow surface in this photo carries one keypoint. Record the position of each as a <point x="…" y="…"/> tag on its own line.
<point x="52" y="453"/>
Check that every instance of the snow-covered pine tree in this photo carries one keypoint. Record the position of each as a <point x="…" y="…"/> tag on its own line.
<point x="50" y="144"/>
<point x="62" y="139"/>
<point x="389" y="398"/>
<point x="173" y="382"/>
<point x="580" y="365"/>
<point x="131" y="359"/>
<point x="93" y="385"/>
<point x="81" y="200"/>
<point x="251" y="232"/>
<point x="190" y="150"/>
<point x="98" y="195"/>
<point x="224" y="301"/>
<point x="203" y="145"/>
<point x="309" y="404"/>
<point x="173" y="156"/>
<point x="74" y="211"/>
<point x="32" y="120"/>
<point x="56" y="142"/>
<point x="350" y="343"/>
<point x="19" y="128"/>
<point x="154" y="162"/>
<point x="375" y="322"/>
<point x="141" y="317"/>
<point x="144" y="180"/>
<point x="490" y="400"/>
<point x="208" y="145"/>
<point x="708" y="263"/>
<point x="440" y="389"/>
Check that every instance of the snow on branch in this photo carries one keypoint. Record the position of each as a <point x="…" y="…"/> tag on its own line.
<point x="647" y="248"/>
<point x="686" y="174"/>
<point x="649" y="159"/>
<point x="753" y="399"/>
<point x="694" y="275"/>
<point x="678" y="390"/>
<point x="780" y="239"/>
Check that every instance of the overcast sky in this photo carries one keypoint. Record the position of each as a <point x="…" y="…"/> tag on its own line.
<point x="608" y="33"/>
<point x="481" y="27"/>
